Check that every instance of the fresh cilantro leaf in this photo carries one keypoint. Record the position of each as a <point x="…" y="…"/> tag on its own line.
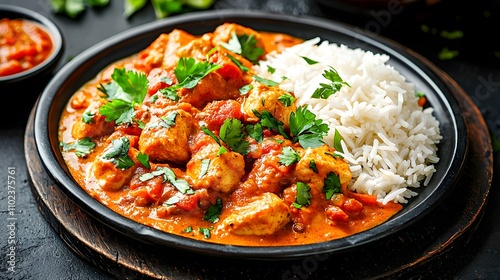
<point x="189" y="72"/>
<point x="206" y="231"/>
<point x="82" y="147"/>
<point x="304" y="196"/>
<point x="312" y="165"/>
<point x="118" y="110"/>
<point x="286" y="99"/>
<point x="210" y="133"/>
<point x="118" y="153"/>
<point x="269" y="121"/>
<point x="245" y="89"/>
<point x="245" y="45"/>
<point x="332" y="185"/>
<point x="326" y="90"/>
<point x="188" y="229"/>
<point x="288" y="156"/>
<point x="133" y="83"/>
<point x="309" y="61"/>
<point x="144" y="160"/>
<point x="169" y="120"/>
<point x="231" y="132"/>
<point x="242" y="68"/>
<point x="205" y="163"/>
<point x="271" y="69"/>
<point x="212" y="214"/>
<point x="170" y="93"/>
<point x="88" y="117"/>
<point x="168" y="176"/>
<point x="255" y="131"/>
<point x="267" y="82"/>
<point x="306" y="129"/>
<point x="337" y="138"/>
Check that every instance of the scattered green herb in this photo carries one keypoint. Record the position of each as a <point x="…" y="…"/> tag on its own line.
<point x="332" y="185"/>
<point x="304" y="196"/>
<point x="306" y="129"/>
<point x="118" y="153"/>
<point x="309" y="61"/>
<point x="312" y="165"/>
<point x="205" y="163"/>
<point x="267" y="82"/>
<point x="231" y="132"/>
<point x="82" y="147"/>
<point x="212" y="214"/>
<point x="206" y="231"/>
<point x="88" y="117"/>
<point x="288" y="156"/>
<point x="168" y="176"/>
<point x="286" y="99"/>
<point x="244" y="45"/>
<point x="144" y="160"/>
<point x="447" y="54"/>
<point x="326" y="90"/>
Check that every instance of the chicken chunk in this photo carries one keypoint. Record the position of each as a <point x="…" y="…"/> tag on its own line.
<point x="166" y="138"/>
<point x="96" y="124"/>
<point x="222" y="172"/>
<point x="264" y="216"/>
<point x="223" y="33"/>
<point x="106" y="174"/>
<point x="264" y="98"/>
<point x="325" y="163"/>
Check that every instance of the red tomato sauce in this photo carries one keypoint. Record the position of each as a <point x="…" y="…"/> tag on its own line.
<point x="24" y="44"/>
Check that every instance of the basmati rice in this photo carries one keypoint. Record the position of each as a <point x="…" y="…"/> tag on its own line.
<point x="389" y="141"/>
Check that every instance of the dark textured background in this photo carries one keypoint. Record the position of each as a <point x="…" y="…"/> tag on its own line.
<point x="41" y="254"/>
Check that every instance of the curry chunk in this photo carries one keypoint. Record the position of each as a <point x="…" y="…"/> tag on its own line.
<point x="223" y="33"/>
<point x="92" y="123"/>
<point x="208" y="169"/>
<point x="264" y="216"/>
<point x="271" y="99"/>
<point x="325" y="163"/>
<point x="166" y="138"/>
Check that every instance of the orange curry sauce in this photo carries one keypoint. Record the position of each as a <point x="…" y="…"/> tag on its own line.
<point x="254" y="191"/>
<point x="23" y="45"/>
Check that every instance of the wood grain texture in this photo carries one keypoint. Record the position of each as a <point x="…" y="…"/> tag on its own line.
<point x="421" y="251"/>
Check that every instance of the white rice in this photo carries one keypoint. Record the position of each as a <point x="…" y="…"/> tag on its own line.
<point x="388" y="139"/>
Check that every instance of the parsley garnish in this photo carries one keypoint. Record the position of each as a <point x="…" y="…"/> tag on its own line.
<point x="306" y="129"/>
<point x="245" y="89"/>
<point x="269" y="121"/>
<point x="231" y="132"/>
<point x="312" y="165"/>
<point x="169" y="120"/>
<point x="242" y="68"/>
<point x="87" y="117"/>
<point x="286" y="99"/>
<point x="118" y="153"/>
<point x="212" y="214"/>
<point x="309" y="61"/>
<point x="267" y="82"/>
<point x="288" y="156"/>
<point x="127" y="89"/>
<point x="337" y="138"/>
<point x="255" y="131"/>
<point x="326" y="90"/>
<point x="205" y="163"/>
<point x="332" y="185"/>
<point x="82" y="147"/>
<point x="168" y="176"/>
<point x="303" y="197"/>
<point x="271" y="69"/>
<point x="144" y="160"/>
<point x="244" y="45"/>
<point x="206" y="231"/>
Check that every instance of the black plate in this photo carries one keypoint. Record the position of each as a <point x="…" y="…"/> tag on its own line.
<point x="452" y="149"/>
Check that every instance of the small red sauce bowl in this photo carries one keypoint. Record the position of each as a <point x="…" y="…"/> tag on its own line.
<point x="37" y="76"/>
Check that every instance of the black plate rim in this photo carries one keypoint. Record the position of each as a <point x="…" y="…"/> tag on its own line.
<point x="47" y="152"/>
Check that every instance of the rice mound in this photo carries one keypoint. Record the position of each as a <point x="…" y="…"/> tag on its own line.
<point x="389" y="141"/>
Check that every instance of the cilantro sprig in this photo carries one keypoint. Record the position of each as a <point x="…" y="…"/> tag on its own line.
<point x="326" y="90"/>
<point x="168" y="176"/>
<point x="212" y="214"/>
<point x="118" y="153"/>
<point x="127" y="89"/>
<point x="303" y="197"/>
<point x="331" y="185"/>
<point x="288" y="156"/>
<point x="306" y="129"/>
<point x="232" y="134"/>
<point x="244" y="45"/>
<point x="81" y="147"/>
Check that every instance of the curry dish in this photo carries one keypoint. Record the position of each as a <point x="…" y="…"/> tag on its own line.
<point x="185" y="138"/>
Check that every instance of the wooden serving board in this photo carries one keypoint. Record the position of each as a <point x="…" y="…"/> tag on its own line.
<point x="433" y="247"/>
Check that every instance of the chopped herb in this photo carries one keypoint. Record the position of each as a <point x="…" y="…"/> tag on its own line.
<point x="255" y="131"/>
<point x="210" y="133"/>
<point x="271" y="69"/>
<point x="332" y="185"/>
<point x="172" y="201"/>
<point x="288" y="156"/>
<point x="269" y="83"/>
<point x="269" y="121"/>
<point x="303" y="197"/>
<point x="118" y="153"/>
<point x="168" y="176"/>
<point x="337" y="138"/>
<point x="205" y="231"/>
<point x="169" y="120"/>
<point x="309" y="61"/>
<point x="205" y="163"/>
<point x="82" y="147"/>
<point x="286" y="99"/>
<point x="212" y="214"/>
<point x="144" y="160"/>
<point x="419" y="94"/>
<point x="188" y="229"/>
<point x="245" y="89"/>
<point x="189" y="72"/>
<point x="87" y="117"/>
<point x="245" y="45"/>
<point x="326" y="90"/>
<point x="170" y="93"/>
<point x="312" y="165"/>
<point x="231" y="132"/>
<point x="306" y="129"/>
<point x="242" y="68"/>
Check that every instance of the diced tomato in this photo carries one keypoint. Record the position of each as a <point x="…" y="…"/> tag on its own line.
<point x="218" y="111"/>
<point x="336" y="214"/>
<point x="230" y="71"/>
<point x="421" y="101"/>
<point x="188" y="202"/>
<point x="352" y="206"/>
